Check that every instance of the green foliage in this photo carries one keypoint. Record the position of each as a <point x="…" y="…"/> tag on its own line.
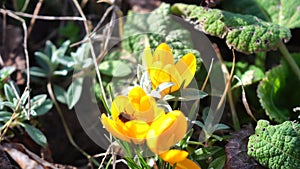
<point x="70" y="31"/>
<point x="72" y="95"/>
<point x="15" y="107"/>
<point x="283" y="12"/>
<point x="278" y="92"/>
<point x="5" y="72"/>
<point x="155" y="28"/>
<point x="245" y="33"/>
<point x="276" y="147"/>
<point x="36" y="135"/>
<point x="252" y="75"/>
<point x="115" y="68"/>
<point x="209" y="157"/>
<point x="52" y="61"/>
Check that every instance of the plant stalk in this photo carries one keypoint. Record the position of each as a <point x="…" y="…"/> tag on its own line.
<point x="286" y="54"/>
<point x="69" y="135"/>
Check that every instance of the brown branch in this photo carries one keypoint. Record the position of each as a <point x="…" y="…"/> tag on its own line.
<point x="50" y="18"/>
<point x="35" y="13"/>
<point x="13" y="15"/>
<point x="75" y="2"/>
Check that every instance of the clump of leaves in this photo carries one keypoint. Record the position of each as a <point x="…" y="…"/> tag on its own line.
<point x="277" y="92"/>
<point x="13" y="112"/>
<point x="236" y="150"/>
<point x="245" y="33"/>
<point x="276" y="146"/>
<point x="53" y="62"/>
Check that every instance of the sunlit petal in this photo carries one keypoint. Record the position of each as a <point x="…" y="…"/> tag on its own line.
<point x="135" y="95"/>
<point x="187" y="164"/>
<point x="118" y="105"/>
<point x="174" y="156"/>
<point x="112" y="128"/>
<point x="186" y="67"/>
<point x="136" y="130"/>
<point x="163" y="54"/>
<point x="166" y="131"/>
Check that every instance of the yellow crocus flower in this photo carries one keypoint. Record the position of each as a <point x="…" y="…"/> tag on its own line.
<point x="132" y="116"/>
<point x="179" y="157"/>
<point x="166" y="131"/>
<point x="161" y="68"/>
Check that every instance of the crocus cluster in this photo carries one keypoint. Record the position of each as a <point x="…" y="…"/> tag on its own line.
<point x="138" y="119"/>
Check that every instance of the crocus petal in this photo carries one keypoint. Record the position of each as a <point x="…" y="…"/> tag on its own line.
<point x="175" y="77"/>
<point x="136" y="130"/>
<point x="163" y="54"/>
<point x="135" y="95"/>
<point x="187" y="164"/>
<point x="111" y="127"/>
<point x="186" y="67"/>
<point x="120" y="104"/>
<point x="168" y="73"/>
<point x="174" y="156"/>
<point x="166" y="131"/>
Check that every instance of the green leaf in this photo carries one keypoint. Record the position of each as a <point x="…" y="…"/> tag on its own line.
<point x="5" y="116"/>
<point x="60" y="94"/>
<point x="245" y="33"/>
<point x="278" y="92"/>
<point x="217" y="163"/>
<point x="115" y="68"/>
<point x="40" y="105"/>
<point x="9" y="93"/>
<point x="283" y="12"/>
<point x="60" y="72"/>
<point x="276" y="146"/>
<point x="43" y="60"/>
<point x="152" y="29"/>
<point x="66" y="61"/>
<point x="60" y="52"/>
<point x="36" y="135"/>
<point x="38" y="72"/>
<point x="44" y="108"/>
<point x="81" y="56"/>
<point x="207" y="152"/>
<point x="221" y="126"/>
<point x="252" y="75"/>
<point x="189" y="94"/>
<point x="74" y="92"/>
<point x="6" y="71"/>
<point x="8" y="104"/>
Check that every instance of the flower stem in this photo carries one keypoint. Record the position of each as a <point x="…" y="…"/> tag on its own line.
<point x="68" y="132"/>
<point x="286" y="54"/>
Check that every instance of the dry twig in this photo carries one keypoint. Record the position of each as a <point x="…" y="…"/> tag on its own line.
<point x="13" y="15"/>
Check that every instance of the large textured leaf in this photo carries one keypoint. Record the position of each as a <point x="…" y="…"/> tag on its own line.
<point x="155" y="28"/>
<point x="245" y="33"/>
<point x="282" y="12"/>
<point x="276" y="147"/>
<point x="279" y="94"/>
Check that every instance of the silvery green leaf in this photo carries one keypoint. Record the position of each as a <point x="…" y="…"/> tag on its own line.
<point x="35" y="134"/>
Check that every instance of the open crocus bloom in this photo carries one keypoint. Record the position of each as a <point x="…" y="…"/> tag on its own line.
<point x="161" y="68"/>
<point x="132" y="116"/>
<point x="166" y="131"/>
<point x="179" y="157"/>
